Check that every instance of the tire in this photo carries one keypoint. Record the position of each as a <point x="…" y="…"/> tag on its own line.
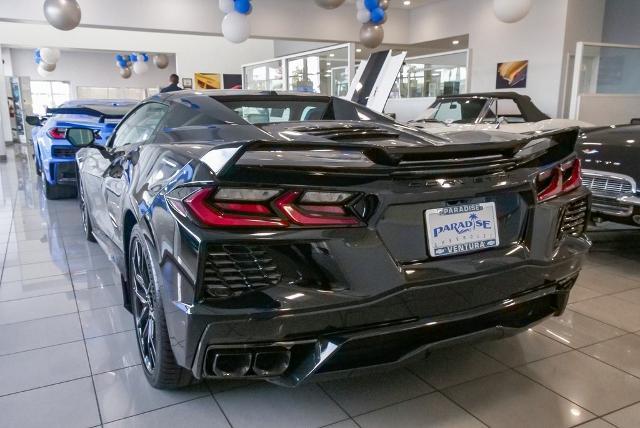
<point x="86" y="219"/>
<point x="53" y="192"/>
<point x="158" y="361"/>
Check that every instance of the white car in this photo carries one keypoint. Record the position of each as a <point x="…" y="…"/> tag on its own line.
<point x="506" y="111"/>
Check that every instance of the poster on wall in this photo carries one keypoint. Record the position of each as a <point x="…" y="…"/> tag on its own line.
<point x="512" y="74"/>
<point x="208" y="81"/>
<point x="232" y="81"/>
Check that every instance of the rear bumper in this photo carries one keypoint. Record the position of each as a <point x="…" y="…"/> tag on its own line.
<point x="60" y="172"/>
<point x="345" y="353"/>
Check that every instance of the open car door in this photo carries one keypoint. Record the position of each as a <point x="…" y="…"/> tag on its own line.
<point x="374" y="79"/>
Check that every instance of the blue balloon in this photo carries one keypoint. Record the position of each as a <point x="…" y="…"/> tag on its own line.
<point x="145" y="57"/>
<point x="119" y="57"/>
<point x="377" y="15"/>
<point x="371" y="4"/>
<point x="38" y="60"/>
<point x="122" y="64"/>
<point x="134" y="58"/>
<point x="242" y="6"/>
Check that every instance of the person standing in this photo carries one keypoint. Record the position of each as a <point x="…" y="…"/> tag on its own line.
<point x="174" y="79"/>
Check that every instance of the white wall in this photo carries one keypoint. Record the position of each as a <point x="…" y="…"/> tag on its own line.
<point x="194" y="53"/>
<point x="82" y="68"/>
<point x="539" y="38"/>
<point x="621" y="22"/>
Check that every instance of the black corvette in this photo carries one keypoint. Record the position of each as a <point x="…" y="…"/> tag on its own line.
<point x="611" y="160"/>
<point x="280" y="236"/>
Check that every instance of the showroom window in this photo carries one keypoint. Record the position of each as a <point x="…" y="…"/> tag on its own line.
<point x="48" y="93"/>
<point x="432" y="75"/>
<point x="264" y="77"/>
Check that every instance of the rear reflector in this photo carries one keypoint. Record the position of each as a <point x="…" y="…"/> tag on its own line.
<point x="312" y="215"/>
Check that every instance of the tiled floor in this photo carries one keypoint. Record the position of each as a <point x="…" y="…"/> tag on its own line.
<point x="68" y="356"/>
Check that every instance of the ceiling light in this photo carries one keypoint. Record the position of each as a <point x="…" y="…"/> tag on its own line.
<point x="332" y="55"/>
<point x="407" y="2"/>
<point x="456" y="42"/>
<point x="358" y="50"/>
<point x="328" y="63"/>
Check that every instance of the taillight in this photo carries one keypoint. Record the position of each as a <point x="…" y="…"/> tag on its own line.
<point x="270" y="208"/>
<point x="57" y="133"/>
<point x="558" y="180"/>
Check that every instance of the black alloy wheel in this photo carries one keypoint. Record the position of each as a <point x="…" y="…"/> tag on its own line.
<point x="86" y="220"/>
<point x="160" y="366"/>
<point x="144" y="306"/>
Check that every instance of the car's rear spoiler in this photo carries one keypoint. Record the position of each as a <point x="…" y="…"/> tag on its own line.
<point x="84" y="111"/>
<point x="370" y="159"/>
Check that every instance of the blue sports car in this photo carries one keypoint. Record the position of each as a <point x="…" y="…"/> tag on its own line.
<point x="54" y="156"/>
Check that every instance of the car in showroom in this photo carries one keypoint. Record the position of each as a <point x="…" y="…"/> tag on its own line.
<point x="54" y="156"/>
<point x="506" y="111"/>
<point x="611" y="160"/>
<point x="284" y="236"/>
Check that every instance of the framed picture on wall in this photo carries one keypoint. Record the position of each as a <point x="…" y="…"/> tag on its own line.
<point x="187" y="83"/>
<point x="512" y="74"/>
<point x="208" y="81"/>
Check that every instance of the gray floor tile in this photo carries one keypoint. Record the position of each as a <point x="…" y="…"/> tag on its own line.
<point x="621" y="352"/>
<point x="576" y="330"/>
<point x="523" y="348"/>
<point x="95" y="278"/>
<point x="37" y="307"/>
<point x="605" y="280"/>
<point x="34" y="287"/>
<point x="632" y="296"/>
<point x="363" y="394"/>
<point x="500" y="399"/>
<point x="448" y="367"/>
<point x="39" y="333"/>
<point x="34" y="270"/>
<point x="202" y="412"/>
<point x="596" y="423"/>
<point x="113" y="352"/>
<point x="30" y="257"/>
<point x="100" y="322"/>
<point x="433" y="410"/>
<point x="616" y="312"/>
<point x="586" y="381"/>
<point x="581" y="293"/>
<point x="41" y="367"/>
<point x="264" y="405"/>
<point x="65" y="405"/>
<point x="626" y="418"/>
<point x="126" y="392"/>
<point x="344" y="424"/>
<point x="99" y="297"/>
<point x="88" y="263"/>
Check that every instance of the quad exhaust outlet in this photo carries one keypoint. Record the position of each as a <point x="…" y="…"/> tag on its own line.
<point x="248" y="363"/>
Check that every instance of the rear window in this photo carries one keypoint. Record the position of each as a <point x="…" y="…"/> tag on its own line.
<point x="456" y="110"/>
<point x="273" y="111"/>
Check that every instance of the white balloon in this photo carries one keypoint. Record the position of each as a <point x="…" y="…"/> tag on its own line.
<point x="43" y="73"/>
<point x="50" y="55"/>
<point x="235" y="27"/>
<point x="226" y="6"/>
<point x="360" y="5"/>
<point x="511" y="10"/>
<point x="363" y="16"/>
<point x="140" y="67"/>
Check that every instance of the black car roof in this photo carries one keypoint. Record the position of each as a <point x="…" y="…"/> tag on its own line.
<point x="529" y="110"/>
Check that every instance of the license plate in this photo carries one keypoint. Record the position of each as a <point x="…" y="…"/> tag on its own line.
<point x="461" y="229"/>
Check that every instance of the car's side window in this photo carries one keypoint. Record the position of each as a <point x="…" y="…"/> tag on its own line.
<point x="141" y="125"/>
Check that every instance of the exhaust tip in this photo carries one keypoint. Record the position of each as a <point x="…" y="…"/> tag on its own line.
<point x="271" y="363"/>
<point x="232" y="365"/>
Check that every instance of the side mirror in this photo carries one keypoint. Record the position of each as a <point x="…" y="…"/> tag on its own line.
<point x="80" y="137"/>
<point x="34" y="120"/>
